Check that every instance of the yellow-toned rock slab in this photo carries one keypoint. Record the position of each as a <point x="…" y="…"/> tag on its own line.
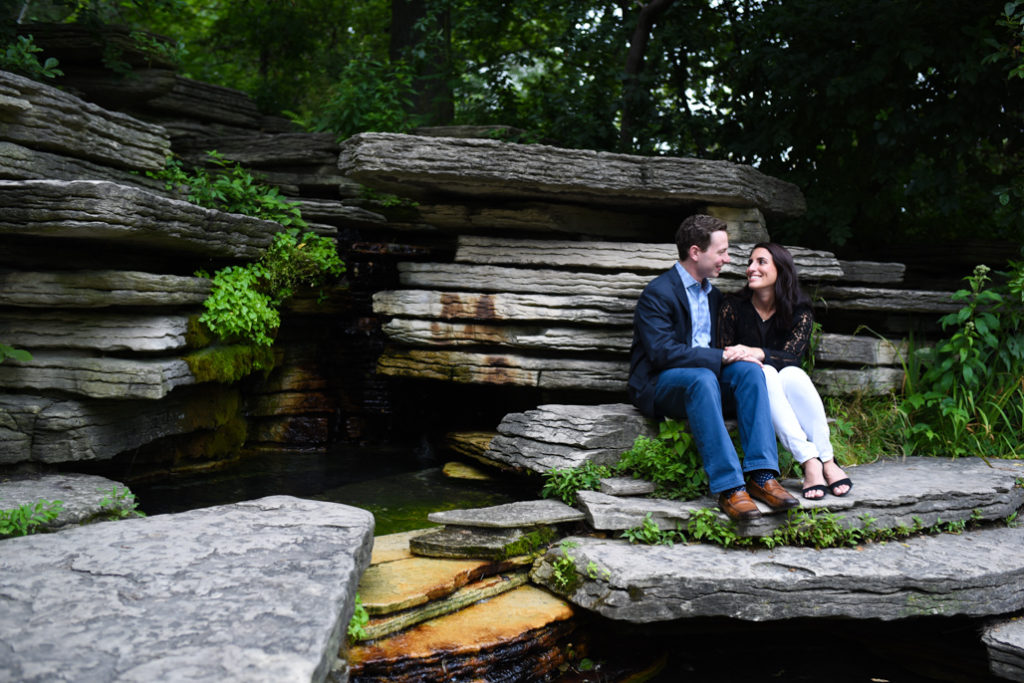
<point x="461" y="470"/>
<point x="391" y="547"/>
<point x="460" y="599"/>
<point x="484" y="626"/>
<point x="398" y="585"/>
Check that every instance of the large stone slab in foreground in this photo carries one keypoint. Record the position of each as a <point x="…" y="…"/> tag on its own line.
<point x="975" y="574"/>
<point x="474" y="167"/>
<point x="255" y="591"/>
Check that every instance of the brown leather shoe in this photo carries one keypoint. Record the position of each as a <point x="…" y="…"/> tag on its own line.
<point x="738" y="506"/>
<point x="772" y="494"/>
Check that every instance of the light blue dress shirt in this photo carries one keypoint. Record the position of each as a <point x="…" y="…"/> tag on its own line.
<point x="700" y="312"/>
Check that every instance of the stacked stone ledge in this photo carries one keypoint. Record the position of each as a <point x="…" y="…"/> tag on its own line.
<point x="521" y="304"/>
<point x="109" y="342"/>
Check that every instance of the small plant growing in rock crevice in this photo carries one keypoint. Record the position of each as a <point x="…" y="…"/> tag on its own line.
<point x="563" y="569"/>
<point x="28" y="518"/>
<point x="357" y="624"/>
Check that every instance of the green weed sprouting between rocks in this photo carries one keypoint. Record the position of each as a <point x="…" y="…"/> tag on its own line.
<point x="357" y="624"/>
<point x="28" y="518"/>
<point x="245" y="301"/>
<point x="815" y="528"/>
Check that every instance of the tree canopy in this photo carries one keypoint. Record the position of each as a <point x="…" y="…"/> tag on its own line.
<point x="900" y="120"/>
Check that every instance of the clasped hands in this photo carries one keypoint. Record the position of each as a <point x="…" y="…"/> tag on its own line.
<point x="741" y="352"/>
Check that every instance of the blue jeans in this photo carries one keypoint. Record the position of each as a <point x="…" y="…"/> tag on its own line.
<point x="698" y="395"/>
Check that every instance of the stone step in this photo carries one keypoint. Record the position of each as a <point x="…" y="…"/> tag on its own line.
<point x="472" y="167"/>
<point x="517" y="635"/>
<point x="973" y="574"/>
<point x="96" y="376"/>
<point x="150" y="598"/>
<point x="914" y="491"/>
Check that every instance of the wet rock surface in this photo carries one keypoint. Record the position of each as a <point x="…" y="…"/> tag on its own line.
<point x="255" y="591"/>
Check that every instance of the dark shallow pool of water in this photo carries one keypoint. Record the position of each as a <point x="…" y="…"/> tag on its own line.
<point x="399" y="485"/>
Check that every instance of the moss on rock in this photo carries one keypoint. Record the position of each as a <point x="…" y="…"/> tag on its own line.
<point x="227" y="364"/>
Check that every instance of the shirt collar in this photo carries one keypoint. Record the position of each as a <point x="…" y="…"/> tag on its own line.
<point x="689" y="281"/>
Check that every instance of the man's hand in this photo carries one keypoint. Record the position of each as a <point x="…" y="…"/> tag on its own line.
<point x="740" y="352"/>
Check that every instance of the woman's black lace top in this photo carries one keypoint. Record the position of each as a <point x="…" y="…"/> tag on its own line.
<point x="739" y="323"/>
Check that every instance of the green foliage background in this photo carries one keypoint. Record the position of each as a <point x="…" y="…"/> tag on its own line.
<point x="898" y="119"/>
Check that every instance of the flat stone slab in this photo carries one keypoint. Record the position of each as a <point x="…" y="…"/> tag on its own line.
<point x="510" y="515"/>
<point x="474" y="542"/>
<point x="560" y="436"/>
<point x="393" y="586"/>
<point x="96" y="376"/>
<point x="82" y="496"/>
<point x="917" y="491"/>
<point x="93" y="331"/>
<point x="256" y="591"/>
<point x="474" y="167"/>
<point x="106" y="211"/>
<point x="974" y="574"/>
<point x="1005" y="643"/>
<point x="100" y="289"/>
<point x="626" y="486"/>
<point x="391" y="547"/>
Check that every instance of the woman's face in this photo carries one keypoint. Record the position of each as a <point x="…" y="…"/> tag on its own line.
<point x="761" y="271"/>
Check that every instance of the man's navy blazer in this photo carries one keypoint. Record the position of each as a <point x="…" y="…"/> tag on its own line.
<point x="661" y="337"/>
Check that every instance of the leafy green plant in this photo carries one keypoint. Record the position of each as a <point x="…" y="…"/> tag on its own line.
<point x="967" y="396"/>
<point x="26" y="519"/>
<point x="563" y="569"/>
<point x="565" y="483"/>
<point x="20" y="57"/>
<point x="120" y="503"/>
<point x="7" y="351"/>
<point x="650" y="534"/>
<point x="244" y="301"/>
<point x="670" y="462"/>
<point x="368" y="95"/>
<point x="357" y="624"/>
<point x="229" y="187"/>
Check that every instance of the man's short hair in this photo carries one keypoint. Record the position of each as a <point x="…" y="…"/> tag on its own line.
<point x="697" y="229"/>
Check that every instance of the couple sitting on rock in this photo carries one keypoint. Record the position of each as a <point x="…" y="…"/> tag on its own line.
<point x="693" y="352"/>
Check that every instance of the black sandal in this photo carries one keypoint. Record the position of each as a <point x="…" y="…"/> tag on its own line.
<point x="816" y="487"/>
<point x="836" y="484"/>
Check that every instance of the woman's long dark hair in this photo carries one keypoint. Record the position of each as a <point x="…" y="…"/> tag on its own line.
<point x="788" y="294"/>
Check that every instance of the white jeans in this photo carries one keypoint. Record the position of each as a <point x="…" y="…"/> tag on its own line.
<point x="798" y="414"/>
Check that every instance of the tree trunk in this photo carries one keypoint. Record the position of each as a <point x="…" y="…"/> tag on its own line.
<point x="632" y="88"/>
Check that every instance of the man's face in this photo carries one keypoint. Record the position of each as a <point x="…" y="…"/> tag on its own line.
<point x="710" y="261"/>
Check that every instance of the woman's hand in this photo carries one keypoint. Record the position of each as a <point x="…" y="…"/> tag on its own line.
<point x="741" y="352"/>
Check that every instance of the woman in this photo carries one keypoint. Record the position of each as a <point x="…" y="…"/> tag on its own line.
<point x="769" y="322"/>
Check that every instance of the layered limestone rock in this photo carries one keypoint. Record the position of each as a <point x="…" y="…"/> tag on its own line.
<point x="565" y="436"/>
<point x="98" y="289"/>
<point x="148" y="599"/>
<point x="102" y="210"/>
<point x="976" y="574"/>
<point x="475" y="167"/>
<point x="915" y="492"/>
<point x="42" y="117"/>
<point x="1005" y="642"/>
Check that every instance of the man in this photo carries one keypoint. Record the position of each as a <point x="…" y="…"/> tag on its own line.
<point x="676" y="372"/>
